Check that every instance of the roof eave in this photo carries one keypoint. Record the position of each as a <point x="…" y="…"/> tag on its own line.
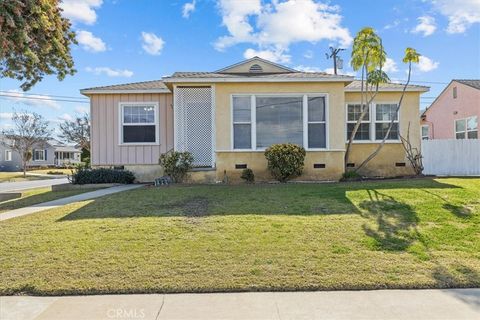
<point x="393" y="90"/>
<point x="87" y="92"/>
<point x="244" y="79"/>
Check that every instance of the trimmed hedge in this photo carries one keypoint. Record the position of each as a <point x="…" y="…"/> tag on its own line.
<point x="285" y="161"/>
<point x="102" y="175"/>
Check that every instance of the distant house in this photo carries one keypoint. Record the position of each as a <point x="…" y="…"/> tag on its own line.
<point x="51" y="154"/>
<point x="455" y="112"/>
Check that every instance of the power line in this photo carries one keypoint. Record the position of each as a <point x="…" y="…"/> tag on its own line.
<point x="9" y="97"/>
<point x="41" y="94"/>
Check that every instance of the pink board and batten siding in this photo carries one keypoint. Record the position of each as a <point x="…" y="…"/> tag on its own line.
<point x="106" y="149"/>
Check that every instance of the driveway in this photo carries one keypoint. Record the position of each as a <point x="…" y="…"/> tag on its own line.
<point x="375" y="304"/>
<point x="23" y="185"/>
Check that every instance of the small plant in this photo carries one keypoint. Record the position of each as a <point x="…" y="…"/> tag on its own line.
<point x="248" y="176"/>
<point x="351" y="176"/>
<point x="176" y="164"/>
<point x="101" y="175"/>
<point x="285" y="161"/>
<point x="55" y="172"/>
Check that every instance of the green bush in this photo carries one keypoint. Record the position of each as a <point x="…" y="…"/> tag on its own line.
<point x="285" y="161"/>
<point x="176" y="164"/>
<point x="351" y="176"/>
<point x="55" y="172"/>
<point x="101" y="175"/>
<point x="248" y="176"/>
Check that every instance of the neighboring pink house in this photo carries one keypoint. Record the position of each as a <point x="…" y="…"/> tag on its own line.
<point x="455" y="112"/>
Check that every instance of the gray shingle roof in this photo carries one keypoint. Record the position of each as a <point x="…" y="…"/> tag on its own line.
<point x="155" y="85"/>
<point x="471" y="83"/>
<point x="391" y="86"/>
<point x="285" y="75"/>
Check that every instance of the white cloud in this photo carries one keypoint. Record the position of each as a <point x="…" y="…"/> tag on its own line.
<point x="152" y="44"/>
<point x="32" y="100"/>
<point x="82" y="109"/>
<point x="426" y="64"/>
<point x="392" y="25"/>
<point x="89" y="42"/>
<point x="390" y="66"/>
<point x="461" y="14"/>
<point x="81" y="10"/>
<point x="110" y="72"/>
<point x="188" y="8"/>
<point x="65" y="117"/>
<point x="426" y="25"/>
<point x="308" y="54"/>
<point x="264" y="24"/>
<point x="277" y="55"/>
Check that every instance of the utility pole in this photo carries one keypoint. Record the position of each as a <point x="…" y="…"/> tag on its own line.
<point x="333" y="54"/>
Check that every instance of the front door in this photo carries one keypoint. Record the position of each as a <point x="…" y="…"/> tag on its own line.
<point x="194" y="115"/>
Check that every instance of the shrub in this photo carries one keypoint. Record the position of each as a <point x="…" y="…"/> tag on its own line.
<point x="54" y="172"/>
<point x="101" y="175"/>
<point x="285" y="161"/>
<point x="351" y="176"/>
<point x="176" y="164"/>
<point x="248" y="176"/>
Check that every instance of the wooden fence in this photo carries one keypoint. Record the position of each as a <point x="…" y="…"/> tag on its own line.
<point x="451" y="157"/>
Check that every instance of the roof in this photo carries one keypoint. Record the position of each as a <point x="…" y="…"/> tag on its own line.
<point x="471" y="83"/>
<point x="356" y="86"/>
<point x="296" y="76"/>
<point x="155" y="86"/>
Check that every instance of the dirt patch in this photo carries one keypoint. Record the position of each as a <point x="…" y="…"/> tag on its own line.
<point x="195" y="207"/>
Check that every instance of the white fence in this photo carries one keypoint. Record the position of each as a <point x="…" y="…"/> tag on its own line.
<point x="451" y="157"/>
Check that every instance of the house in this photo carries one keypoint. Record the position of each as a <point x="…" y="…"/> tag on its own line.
<point x="227" y="118"/>
<point x="52" y="153"/>
<point x="455" y="112"/>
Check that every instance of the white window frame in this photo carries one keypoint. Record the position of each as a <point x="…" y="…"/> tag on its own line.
<point x="373" y="121"/>
<point x="253" y="118"/>
<point x="8" y="155"/>
<point x="427" y="137"/>
<point x="43" y="152"/>
<point x="156" y="122"/>
<point x="370" y="108"/>
<point x="465" y="120"/>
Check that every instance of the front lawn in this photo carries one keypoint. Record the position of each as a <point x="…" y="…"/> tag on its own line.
<point x="38" y="195"/>
<point x="393" y="234"/>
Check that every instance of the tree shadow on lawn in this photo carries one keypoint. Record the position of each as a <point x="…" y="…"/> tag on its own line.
<point x="258" y="199"/>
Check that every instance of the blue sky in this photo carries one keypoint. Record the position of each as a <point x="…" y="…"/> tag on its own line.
<point x="126" y="41"/>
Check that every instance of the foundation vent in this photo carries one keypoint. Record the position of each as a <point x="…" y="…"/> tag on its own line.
<point x="318" y="165"/>
<point x="241" y="166"/>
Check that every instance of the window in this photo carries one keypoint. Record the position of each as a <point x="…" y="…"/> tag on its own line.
<point x="425" y="135"/>
<point x="242" y="122"/>
<point x="384" y="114"/>
<point x="466" y="128"/>
<point x="353" y="114"/>
<point x="139" y="123"/>
<point x="454" y="91"/>
<point x="263" y="120"/>
<point x="8" y="155"/>
<point x="39" y="155"/>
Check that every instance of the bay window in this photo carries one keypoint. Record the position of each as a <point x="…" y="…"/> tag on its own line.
<point x="262" y="120"/>
<point x="138" y="123"/>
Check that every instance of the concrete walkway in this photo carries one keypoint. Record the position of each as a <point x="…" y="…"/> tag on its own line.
<point x="61" y="202"/>
<point x="379" y="304"/>
<point x="24" y="185"/>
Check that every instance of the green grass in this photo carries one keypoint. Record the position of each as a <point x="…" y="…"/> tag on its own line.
<point x="18" y="176"/>
<point x="418" y="233"/>
<point x="38" y="195"/>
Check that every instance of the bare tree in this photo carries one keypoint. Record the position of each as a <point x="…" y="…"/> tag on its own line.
<point x="77" y="131"/>
<point x="414" y="155"/>
<point x="29" y="130"/>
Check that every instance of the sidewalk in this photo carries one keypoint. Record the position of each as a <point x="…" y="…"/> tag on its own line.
<point x="61" y="202"/>
<point x="378" y="304"/>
